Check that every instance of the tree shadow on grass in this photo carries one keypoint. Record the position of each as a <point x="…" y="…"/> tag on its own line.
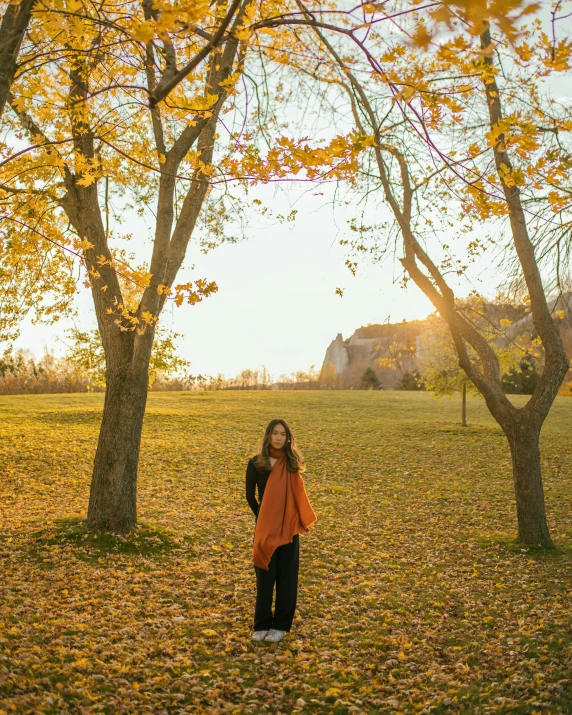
<point x="71" y="417"/>
<point x="72" y="537"/>
<point x="510" y="545"/>
<point x="471" y="430"/>
<point x="93" y="417"/>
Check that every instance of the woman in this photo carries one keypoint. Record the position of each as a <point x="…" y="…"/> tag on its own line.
<point x="280" y="517"/>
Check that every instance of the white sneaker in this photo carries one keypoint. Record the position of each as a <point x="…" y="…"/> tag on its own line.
<point x="274" y="635"/>
<point x="259" y="635"/>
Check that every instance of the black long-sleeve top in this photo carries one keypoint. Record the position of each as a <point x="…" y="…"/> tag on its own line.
<point x="255" y="477"/>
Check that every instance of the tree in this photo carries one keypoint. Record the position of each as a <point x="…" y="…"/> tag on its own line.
<point x="130" y="116"/>
<point x="93" y="139"/>
<point x="400" y="350"/>
<point x="259" y="378"/>
<point x="370" y="381"/>
<point x="439" y="364"/>
<point x="521" y="380"/>
<point x="87" y="354"/>
<point x="36" y="35"/>
<point x="21" y="373"/>
<point x="411" y="380"/>
<point x="13" y="27"/>
<point x="516" y="352"/>
<point x="19" y="14"/>
<point x="328" y="376"/>
<point x="415" y="114"/>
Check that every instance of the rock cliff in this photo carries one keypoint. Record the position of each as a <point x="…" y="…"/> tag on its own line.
<point x="389" y="349"/>
<point x="370" y="346"/>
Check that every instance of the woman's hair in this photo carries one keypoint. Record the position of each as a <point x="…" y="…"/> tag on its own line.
<point x="294" y="458"/>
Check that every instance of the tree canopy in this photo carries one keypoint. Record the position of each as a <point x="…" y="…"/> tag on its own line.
<point x="446" y="114"/>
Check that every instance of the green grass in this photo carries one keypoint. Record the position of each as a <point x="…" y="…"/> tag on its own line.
<point x="413" y="596"/>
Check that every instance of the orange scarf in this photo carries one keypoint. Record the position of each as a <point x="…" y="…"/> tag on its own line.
<point x="284" y="511"/>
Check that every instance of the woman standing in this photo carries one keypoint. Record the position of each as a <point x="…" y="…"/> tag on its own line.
<point x="280" y="517"/>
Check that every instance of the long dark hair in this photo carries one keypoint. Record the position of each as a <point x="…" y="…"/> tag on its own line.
<point x="294" y="458"/>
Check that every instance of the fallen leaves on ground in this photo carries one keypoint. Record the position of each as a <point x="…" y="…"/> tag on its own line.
<point x="412" y="596"/>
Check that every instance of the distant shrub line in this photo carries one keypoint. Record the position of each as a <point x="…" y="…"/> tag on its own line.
<point x="21" y="373"/>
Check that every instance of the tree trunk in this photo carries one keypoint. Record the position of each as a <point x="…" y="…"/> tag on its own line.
<point x="113" y="493"/>
<point x="530" y="509"/>
<point x="12" y="30"/>
<point x="464" y="406"/>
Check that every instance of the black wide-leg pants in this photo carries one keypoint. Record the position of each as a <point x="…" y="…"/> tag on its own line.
<point x="282" y="571"/>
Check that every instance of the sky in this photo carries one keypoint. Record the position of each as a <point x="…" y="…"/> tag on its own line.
<point x="277" y="304"/>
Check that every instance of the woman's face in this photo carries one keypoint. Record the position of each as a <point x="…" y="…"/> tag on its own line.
<point x="278" y="436"/>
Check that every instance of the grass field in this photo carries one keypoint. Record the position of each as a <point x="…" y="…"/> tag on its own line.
<point x="412" y="597"/>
